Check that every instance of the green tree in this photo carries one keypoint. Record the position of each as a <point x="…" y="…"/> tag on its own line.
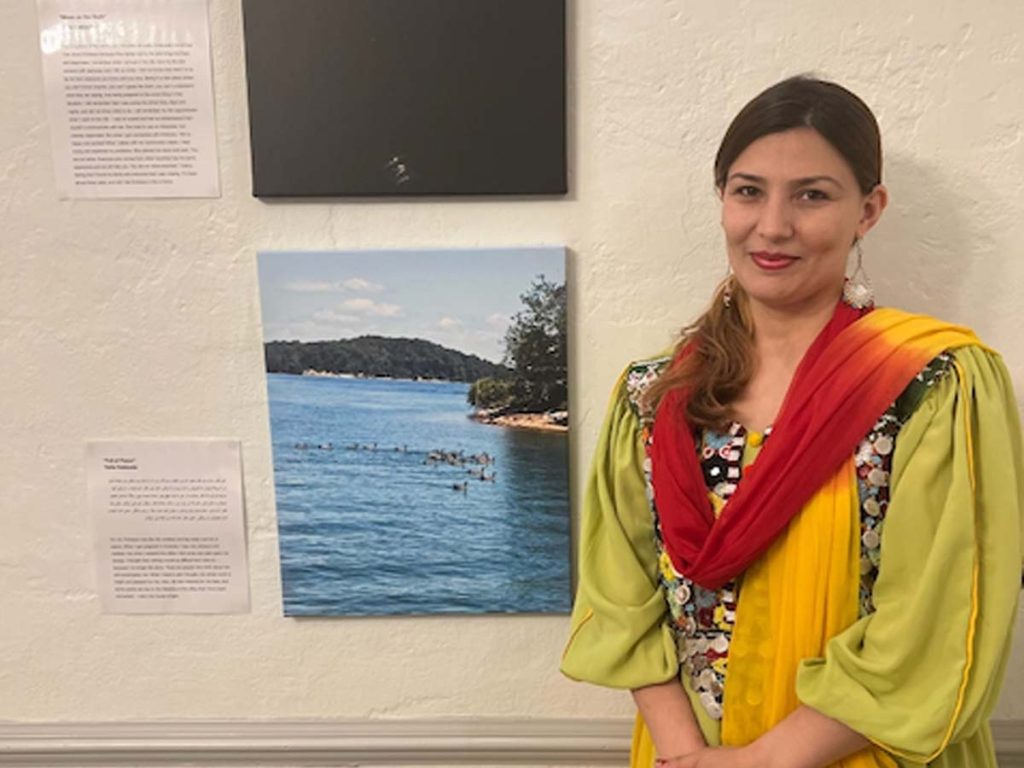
<point x="490" y="393"/>
<point x="536" y="348"/>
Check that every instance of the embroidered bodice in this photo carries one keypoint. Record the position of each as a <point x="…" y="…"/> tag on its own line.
<point x="702" y="620"/>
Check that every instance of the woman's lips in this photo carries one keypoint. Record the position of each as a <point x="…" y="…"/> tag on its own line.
<point x="772" y="261"/>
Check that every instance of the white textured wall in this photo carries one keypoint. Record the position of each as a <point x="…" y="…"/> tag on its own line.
<point x="137" y="318"/>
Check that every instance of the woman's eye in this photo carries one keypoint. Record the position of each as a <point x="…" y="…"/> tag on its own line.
<point x="746" y="191"/>
<point x="814" y="195"/>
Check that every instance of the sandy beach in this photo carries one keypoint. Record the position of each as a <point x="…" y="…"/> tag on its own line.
<point x="542" y="422"/>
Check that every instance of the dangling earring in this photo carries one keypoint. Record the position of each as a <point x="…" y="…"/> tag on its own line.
<point x="857" y="290"/>
<point x="727" y="291"/>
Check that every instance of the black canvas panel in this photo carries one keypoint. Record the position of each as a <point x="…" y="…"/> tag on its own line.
<point x="406" y="97"/>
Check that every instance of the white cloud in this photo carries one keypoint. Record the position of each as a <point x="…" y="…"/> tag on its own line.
<point x="448" y="323"/>
<point x="497" y="320"/>
<point x="311" y="287"/>
<point x="354" y="284"/>
<point x="371" y="307"/>
<point x="333" y="316"/>
<point x="359" y="284"/>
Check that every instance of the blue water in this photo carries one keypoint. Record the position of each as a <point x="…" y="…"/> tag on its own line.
<point x="369" y="526"/>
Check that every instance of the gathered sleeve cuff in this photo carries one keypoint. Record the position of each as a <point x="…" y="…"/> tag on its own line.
<point x="923" y="671"/>
<point x="619" y="635"/>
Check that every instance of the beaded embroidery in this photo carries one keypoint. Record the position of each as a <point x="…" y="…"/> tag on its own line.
<point x="874" y="466"/>
<point x="701" y="619"/>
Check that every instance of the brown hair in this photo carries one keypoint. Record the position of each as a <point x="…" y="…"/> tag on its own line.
<point x="723" y="359"/>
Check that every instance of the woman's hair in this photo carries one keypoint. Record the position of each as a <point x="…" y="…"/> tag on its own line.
<point x="722" y="361"/>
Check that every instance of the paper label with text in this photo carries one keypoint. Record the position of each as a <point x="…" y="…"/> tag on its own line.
<point x="129" y="92"/>
<point x="169" y="525"/>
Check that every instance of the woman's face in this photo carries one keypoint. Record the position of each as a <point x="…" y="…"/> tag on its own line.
<point x="791" y="210"/>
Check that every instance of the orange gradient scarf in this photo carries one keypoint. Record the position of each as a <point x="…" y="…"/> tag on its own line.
<point x="856" y="367"/>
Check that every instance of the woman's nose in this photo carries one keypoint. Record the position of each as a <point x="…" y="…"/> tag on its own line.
<point x="776" y="219"/>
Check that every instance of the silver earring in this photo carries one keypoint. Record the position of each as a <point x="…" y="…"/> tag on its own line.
<point x="727" y="291"/>
<point x="857" y="290"/>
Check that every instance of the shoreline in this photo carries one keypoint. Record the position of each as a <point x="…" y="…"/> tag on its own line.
<point x="539" y="422"/>
<point x="313" y="373"/>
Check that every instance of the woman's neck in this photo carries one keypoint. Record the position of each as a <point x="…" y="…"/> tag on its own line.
<point x="782" y="336"/>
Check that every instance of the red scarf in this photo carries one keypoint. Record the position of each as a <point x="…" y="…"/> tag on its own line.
<point x="852" y="372"/>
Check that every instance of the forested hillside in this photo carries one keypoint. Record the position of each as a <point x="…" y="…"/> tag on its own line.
<point x="398" y="358"/>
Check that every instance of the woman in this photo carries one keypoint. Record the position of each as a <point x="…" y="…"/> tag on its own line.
<point x="847" y="598"/>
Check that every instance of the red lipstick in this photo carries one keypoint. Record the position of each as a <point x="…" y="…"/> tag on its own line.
<point x="772" y="261"/>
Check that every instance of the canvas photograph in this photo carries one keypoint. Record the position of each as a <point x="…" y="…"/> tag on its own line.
<point x="419" y="427"/>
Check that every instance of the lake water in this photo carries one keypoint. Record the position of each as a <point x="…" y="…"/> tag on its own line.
<point x="370" y="525"/>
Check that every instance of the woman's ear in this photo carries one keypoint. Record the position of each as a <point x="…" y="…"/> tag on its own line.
<point x="871" y="209"/>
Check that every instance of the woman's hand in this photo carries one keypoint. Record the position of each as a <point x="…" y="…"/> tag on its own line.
<point x="805" y="739"/>
<point x="711" y="757"/>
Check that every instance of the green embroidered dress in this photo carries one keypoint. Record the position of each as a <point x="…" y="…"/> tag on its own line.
<point x="919" y="672"/>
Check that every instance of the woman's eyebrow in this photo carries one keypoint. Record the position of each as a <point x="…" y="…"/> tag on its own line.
<point x="746" y="177"/>
<point x="815" y="179"/>
<point x="801" y="182"/>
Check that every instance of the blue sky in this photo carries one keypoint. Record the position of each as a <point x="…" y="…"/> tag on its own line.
<point x="461" y="299"/>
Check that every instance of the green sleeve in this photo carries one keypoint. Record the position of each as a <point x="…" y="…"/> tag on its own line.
<point x="619" y="635"/>
<point x="923" y="671"/>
